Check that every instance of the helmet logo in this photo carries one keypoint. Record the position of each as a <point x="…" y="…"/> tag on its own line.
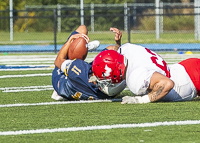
<point x="108" y="71"/>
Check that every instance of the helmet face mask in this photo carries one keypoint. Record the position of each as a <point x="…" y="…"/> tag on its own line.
<point x="103" y="83"/>
<point x="109" y="64"/>
<point x="109" y="88"/>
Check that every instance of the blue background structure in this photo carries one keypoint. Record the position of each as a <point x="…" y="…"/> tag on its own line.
<point x="51" y="48"/>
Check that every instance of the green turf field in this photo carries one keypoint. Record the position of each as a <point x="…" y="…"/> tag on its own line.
<point x="28" y="114"/>
<point x="104" y="37"/>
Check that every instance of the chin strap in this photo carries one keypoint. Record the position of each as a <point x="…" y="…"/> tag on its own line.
<point x="120" y="74"/>
<point x="103" y="75"/>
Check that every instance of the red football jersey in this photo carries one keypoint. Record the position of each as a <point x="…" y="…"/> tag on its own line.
<point x="192" y="67"/>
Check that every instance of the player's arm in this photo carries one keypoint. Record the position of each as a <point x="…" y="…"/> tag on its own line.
<point x="62" y="55"/>
<point x="118" y="36"/>
<point x="159" y="86"/>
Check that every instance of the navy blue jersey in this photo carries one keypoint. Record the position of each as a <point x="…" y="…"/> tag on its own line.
<point x="74" y="84"/>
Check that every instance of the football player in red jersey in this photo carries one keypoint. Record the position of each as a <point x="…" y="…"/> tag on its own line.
<point x="147" y="75"/>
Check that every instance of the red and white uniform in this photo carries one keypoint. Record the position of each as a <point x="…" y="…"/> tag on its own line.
<point x="142" y="63"/>
<point x="192" y="67"/>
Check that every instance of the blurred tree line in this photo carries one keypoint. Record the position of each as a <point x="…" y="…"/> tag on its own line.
<point x="104" y="18"/>
<point x="20" y="4"/>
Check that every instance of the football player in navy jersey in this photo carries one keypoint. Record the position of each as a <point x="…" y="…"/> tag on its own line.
<point x="74" y="80"/>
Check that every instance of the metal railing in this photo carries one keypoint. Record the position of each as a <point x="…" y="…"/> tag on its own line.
<point x="141" y="23"/>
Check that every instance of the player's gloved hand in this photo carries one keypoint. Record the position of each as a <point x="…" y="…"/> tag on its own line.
<point x="135" y="100"/>
<point x="128" y="100"/>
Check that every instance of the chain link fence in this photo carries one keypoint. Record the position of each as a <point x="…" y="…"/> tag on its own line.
<point x="161" y="27"/>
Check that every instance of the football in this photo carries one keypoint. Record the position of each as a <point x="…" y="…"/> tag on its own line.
<point x="78" y="49"/>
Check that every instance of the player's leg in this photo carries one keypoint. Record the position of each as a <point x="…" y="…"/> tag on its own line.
<point x="91" y="45"/>
<point x="192" y="66"/>
<point x="82" y="29"/>
<point x="184" y="89"/>
<point x="56" y="74"/>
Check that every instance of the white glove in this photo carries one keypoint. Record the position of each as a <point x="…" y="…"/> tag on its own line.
<point x="128" y="100"/>
<point x="135" y="100"/>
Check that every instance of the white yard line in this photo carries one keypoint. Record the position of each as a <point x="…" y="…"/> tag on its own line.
<point x="31" y="66"/>
<point x="27" y="69"/>
<point x="19" y="59"/>
<point x="42" y="60"/>
<point x="25" y="75"/>
<point x="59" y="102"/>
<point x="23" y="90"/>
<point x="27" y="88"/>
<point x="102" y="127"/>
<point x="26" y="56"/>
<point x="27" y="62"/>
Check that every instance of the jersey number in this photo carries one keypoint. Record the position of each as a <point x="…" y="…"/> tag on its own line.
<point x="77" y="95"/>
<point x="154" y="59"/>
<point x="76" y="70"/>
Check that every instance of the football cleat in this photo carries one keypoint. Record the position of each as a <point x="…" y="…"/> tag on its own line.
<point x="93" y="45"/>
<point x="57" y="97"/>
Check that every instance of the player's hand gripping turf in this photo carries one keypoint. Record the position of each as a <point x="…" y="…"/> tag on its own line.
<point x="128" y="100"/>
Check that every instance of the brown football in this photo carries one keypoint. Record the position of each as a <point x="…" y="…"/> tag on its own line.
<point x="78" y="49"/>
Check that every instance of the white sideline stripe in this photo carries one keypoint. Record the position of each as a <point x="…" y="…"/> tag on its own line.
<point x="87" y="128"/>
<point x="26" y="75"/>
<point x="59" y="102"/>
<point x="27" y="59"/>
<point x="26" y="62"/>
<point x="23" y="90"/>
<point x="28" y="88"/>
<point x="27" y="69"/>
<point x="7" y="65"/>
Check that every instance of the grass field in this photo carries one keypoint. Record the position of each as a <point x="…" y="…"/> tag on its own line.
<point x="28" y="114"/>
<point x="103" y="37"/>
